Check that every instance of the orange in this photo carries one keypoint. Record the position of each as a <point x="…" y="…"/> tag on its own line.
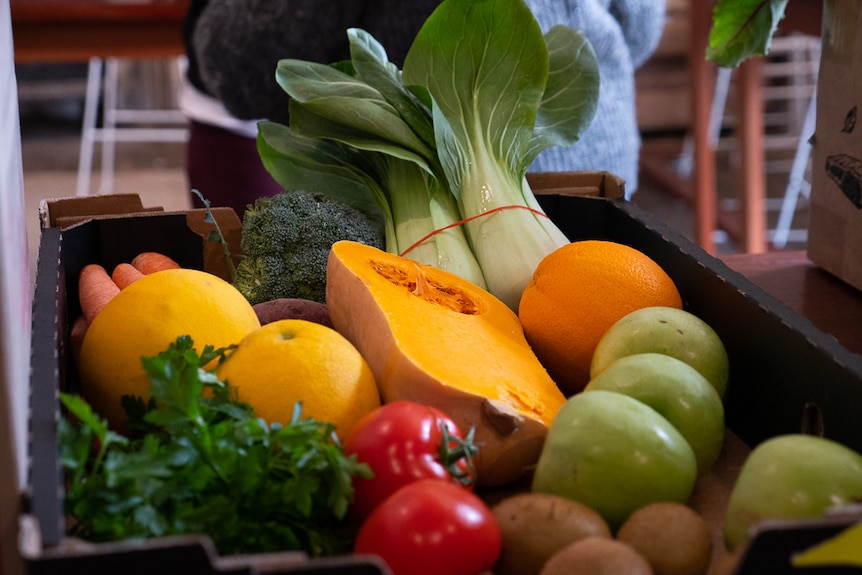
<point x="577" y="293"/>
<point x="144" y="319"/>
<point x="295" y="360"/>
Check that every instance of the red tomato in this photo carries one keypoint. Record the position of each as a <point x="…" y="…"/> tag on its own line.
<point x="432" y="527"/>
<point x="402" y="442"/>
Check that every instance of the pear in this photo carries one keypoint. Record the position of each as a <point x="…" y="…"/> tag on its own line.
<point x="671" y="331"/>
<point x="792" y="476"/>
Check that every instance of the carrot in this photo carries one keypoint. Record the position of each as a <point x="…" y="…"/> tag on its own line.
<point x="95" y="290"/>
<point x="124" y="274"/>
<point x="149" y="262"/>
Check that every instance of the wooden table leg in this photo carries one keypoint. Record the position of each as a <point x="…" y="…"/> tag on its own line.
<point x="702" y="80"/>
<point x="752" y="174"/>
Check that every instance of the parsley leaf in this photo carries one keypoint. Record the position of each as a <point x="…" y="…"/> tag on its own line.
<point x="199" y="461"/>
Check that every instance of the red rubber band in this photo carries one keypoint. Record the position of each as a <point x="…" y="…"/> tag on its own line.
<point x="470" y="219"/>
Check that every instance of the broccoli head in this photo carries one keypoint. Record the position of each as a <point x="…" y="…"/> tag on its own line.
<point x="286" y="240"/>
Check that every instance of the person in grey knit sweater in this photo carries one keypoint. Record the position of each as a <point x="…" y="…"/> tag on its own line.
<point x="233" y="47"/>
<point x="624" y="34"/>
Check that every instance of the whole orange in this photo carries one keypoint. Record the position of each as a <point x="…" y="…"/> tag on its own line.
<point x="577" y="293"/>
<point x="146" y="317"/>
<point x="295" y="360"/>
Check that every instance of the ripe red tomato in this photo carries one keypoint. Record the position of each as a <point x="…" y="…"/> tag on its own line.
<point x="430" y="527"/>
<point x="402" y="442"/>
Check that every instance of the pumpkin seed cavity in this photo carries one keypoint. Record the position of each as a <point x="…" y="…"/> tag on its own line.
<point x="422" y="285"/>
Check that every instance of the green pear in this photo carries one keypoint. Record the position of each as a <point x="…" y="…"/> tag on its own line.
<point x="791" y="476"/>
<point x="670" y="331"/>
<point x="678" y="392"/>
<point x="614" y="454"/>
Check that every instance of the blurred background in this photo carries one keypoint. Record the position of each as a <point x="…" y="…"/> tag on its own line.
<point x="110" y="125"/>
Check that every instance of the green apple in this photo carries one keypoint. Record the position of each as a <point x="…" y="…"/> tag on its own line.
<point x="678" y="392"/>
<point x="670" y="331"/>
<point x="615" y="455"/>
<point x="791" y="476"/>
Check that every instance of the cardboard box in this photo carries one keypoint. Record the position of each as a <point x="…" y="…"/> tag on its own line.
<point x="780" y="363"/>
<point x="109" y="230"/>
<point x="835" y="224"/>
<point x="124" y="221"/>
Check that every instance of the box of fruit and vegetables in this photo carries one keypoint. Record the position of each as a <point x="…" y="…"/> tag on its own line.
<point x="254" y="437"/>
<point x="779" y="364"/>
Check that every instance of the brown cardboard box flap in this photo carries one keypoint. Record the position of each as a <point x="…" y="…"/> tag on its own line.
<point x="835" y="221"/>
<point x="68" y="213"/>
<point x="589" y="183"/>
<point x="64" y="212"/>
<point x="216" y="253"/>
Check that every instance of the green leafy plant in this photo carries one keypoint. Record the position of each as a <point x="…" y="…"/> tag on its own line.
<point x="442" y="147"/>
<point x="742" y="29"/>
<point x="201" y="462"/>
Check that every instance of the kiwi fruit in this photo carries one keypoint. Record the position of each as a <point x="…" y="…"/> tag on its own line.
<point x="673" y="537"/>
<point x="534" y="526"/>
<point x="597" y="556"/>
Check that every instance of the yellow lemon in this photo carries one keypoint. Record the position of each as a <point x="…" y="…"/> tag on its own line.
<point x="294" y="360"/>
<point x="144" y="319"/>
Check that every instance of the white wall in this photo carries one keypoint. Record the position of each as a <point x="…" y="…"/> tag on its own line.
<point x="15" y="299"/>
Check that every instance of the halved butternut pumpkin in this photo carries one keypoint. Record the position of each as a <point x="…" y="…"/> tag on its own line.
<point x="435" y="338"/>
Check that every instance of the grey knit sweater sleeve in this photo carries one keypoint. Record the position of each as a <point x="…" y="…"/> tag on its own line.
<point x="624" y="33"/>
<point x="642" y="24"/>
<point x="238" y="43"/>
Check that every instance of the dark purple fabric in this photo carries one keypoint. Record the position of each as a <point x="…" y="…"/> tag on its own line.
<point x="226" y="168"/>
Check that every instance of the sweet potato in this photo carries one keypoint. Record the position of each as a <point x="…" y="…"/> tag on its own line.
<point x="292" y="308"/>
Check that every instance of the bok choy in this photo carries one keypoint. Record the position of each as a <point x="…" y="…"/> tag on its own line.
<point x="441" y="148"/>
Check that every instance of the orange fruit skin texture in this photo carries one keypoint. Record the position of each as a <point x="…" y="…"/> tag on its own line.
<point x="577" y="293"/>
<point x="295" y="360"/>
<point x="144" y="319"/>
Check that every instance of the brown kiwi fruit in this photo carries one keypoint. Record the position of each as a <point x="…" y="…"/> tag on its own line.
<point x="673" y="537"/>
<point x="597" y="556"/>
<point x="534" y="526"/>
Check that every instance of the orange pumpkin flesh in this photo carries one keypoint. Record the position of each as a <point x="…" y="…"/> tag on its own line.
<point x="432" y="337"/>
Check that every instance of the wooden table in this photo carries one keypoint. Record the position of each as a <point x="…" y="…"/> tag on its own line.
<point x="829" y="303"/>
<point x="77" y="30"/>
